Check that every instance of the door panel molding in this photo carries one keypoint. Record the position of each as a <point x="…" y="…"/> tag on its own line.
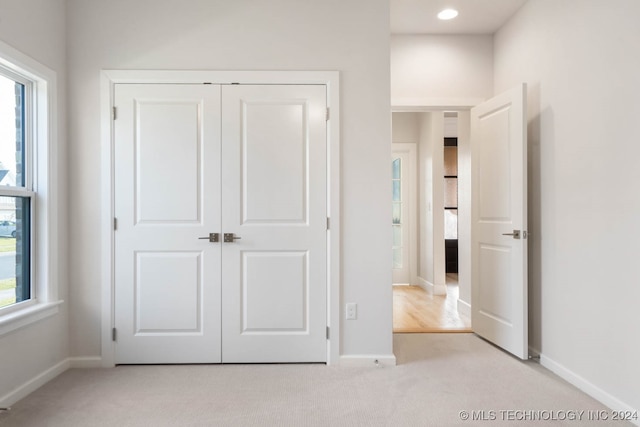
<point x="109" y="78"/>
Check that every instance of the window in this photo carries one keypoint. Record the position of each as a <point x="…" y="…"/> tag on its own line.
<point x="396" y="203"/>
<point x="15" y="189"/>
<point x="28" y="232"/>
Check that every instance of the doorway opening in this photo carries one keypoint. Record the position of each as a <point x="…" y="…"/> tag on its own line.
<point x="492" y="213"/>
<point x="426" y="207"/>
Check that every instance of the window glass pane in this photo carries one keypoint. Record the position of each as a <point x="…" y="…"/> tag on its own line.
<point x="396" y="191"/>
<point x="395" y="168"/>
<point x="396" y="175"/>
<point x="397" y="257"/>
<point x="12" y="132"/>
<point x="397" y="213"/>
<point x="451" y="224"/>
<point x="397" y="235"/>
<point x="15" y="272"/>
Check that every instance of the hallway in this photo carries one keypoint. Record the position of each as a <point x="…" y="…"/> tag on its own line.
<point x="415" y="310"/>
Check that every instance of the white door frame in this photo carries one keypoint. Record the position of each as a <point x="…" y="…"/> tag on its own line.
<point x="109" y="78"/>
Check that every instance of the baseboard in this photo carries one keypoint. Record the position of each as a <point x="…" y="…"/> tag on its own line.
<point x="464" y="308"/>
<point x="33" y="384"/>
<point x="431" y="288"/>
<point x="85" y="362"/>
<point x="439" y="289"/>
<point x="424" y="284"/>
<point x="367" y="360"/>
<point x="589" y="388"/>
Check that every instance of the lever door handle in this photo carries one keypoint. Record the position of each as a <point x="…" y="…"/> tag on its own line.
<point x="212" y="237"/>
<point x="230" y="237"/>
<point x="515" y="234"/>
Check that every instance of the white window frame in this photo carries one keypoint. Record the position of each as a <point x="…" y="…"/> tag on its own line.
<point x="41" y="184"/>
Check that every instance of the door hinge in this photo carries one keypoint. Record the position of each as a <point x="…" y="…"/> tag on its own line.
<point x="115" y="113"/>
<point x="328" y="223"/>
<point x="327" y="116"/>
<point x="115" y="224"/>
<point x="114" y="334"/>
<point x="328" y="332"/>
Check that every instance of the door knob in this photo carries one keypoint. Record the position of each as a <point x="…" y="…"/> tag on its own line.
<point x="230" y="237"/>
<point x="212" y="237"/>
<point x="515" y="234"/>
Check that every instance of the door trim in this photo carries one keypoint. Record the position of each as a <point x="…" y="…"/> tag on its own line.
<point x="108" y="80"/>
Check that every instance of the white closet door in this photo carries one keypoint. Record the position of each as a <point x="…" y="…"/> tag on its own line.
<point x="167" y="196"/>
<point x="274" y="200"/>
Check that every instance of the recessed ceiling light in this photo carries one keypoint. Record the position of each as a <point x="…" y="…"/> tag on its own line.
<point x="447" y="14"/>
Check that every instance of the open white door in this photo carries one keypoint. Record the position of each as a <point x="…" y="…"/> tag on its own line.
<point x="499" y="221"/>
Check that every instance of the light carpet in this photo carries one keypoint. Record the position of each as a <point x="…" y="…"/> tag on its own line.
<point x="437" y="377"/>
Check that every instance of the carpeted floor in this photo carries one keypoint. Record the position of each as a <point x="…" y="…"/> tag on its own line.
<point x="437" y="377"/>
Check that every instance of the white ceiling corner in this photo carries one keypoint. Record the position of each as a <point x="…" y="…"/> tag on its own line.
<point x="476" y="16"/>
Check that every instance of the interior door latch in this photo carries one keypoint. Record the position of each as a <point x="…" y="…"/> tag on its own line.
<point x="515" y="234"/>
<point x="212" y="237"/>
<point x="230" y="237"/>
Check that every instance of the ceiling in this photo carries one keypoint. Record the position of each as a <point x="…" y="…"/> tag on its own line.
<point x="476" y="16"/>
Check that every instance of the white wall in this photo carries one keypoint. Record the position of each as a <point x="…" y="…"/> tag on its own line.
<point x="352" y="37"/>
<point x="580" y="60"/>
<point x="37" y="29"/>
<point x="441" y="70"/>
<point x="405" y="127"/>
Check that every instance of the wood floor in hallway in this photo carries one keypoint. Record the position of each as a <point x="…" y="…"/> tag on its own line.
<point x="415" y="311"/>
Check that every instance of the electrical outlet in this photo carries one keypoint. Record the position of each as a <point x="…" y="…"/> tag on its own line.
<point x="352" y="311"/>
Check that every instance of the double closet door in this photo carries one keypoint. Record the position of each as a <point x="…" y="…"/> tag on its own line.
<point x="221" y="206"/>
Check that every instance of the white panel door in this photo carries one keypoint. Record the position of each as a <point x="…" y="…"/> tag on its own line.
<point x="167" y="196"/>
<point x="499" y="221"/>
<point x="274" y="200"/>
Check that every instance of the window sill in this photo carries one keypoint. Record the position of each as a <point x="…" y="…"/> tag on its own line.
<point x="17" y="319"/>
